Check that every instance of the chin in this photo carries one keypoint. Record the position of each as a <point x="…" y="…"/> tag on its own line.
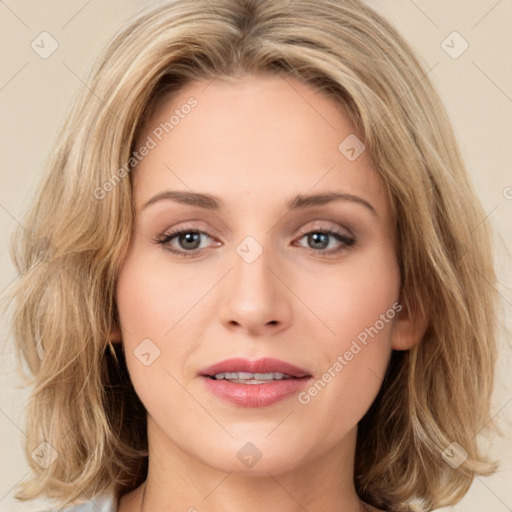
<point x="257" y="457"/>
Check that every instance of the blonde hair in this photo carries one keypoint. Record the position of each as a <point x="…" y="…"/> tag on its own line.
<point x="83" y="404"/>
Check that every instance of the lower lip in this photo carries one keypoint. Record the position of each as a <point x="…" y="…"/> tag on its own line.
<point x="255" y="395"/>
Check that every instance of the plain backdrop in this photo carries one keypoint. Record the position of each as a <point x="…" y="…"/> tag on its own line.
<point x="474" y="82"/>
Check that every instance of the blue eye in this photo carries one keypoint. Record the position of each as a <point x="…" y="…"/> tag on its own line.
<point x="188" y="241"/>
<point x="319" y="240"/>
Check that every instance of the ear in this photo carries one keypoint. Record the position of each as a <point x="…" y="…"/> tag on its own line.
<point x="409" y="326"/>
<point x="115" y="334"/>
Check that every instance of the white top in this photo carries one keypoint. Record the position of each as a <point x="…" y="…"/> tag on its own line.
<point x="103" y="502"/>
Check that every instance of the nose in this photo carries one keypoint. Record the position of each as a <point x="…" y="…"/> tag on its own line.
<point x="256" y="299"/>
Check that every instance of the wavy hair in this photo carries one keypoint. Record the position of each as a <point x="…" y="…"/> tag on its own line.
<point x="83" y="407"/>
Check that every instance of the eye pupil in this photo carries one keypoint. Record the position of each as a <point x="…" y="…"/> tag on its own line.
<point x="190" y="237"/>
<point x="323" y="238"/>
<point x="189" y="241"/>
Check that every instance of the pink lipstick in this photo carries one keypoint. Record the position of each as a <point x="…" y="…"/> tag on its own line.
<point x="256" y="383"/>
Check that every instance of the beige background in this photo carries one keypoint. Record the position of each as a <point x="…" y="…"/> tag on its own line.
<point x="476" y="88"/>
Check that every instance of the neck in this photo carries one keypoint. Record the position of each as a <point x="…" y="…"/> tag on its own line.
<point x="177" y="481"/>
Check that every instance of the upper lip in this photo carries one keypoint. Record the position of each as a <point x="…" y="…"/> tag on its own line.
<point x="264" y="365"/>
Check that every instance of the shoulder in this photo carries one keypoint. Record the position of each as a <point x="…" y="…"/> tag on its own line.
<point x="101" y="503"/>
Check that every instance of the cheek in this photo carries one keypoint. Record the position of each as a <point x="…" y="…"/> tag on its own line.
<point x="147" y="314"/>
<point x="354" y="294"/>
<point x="358" y="305"/>
<point x="156" y="307"/>
<point x="151" y="298"/>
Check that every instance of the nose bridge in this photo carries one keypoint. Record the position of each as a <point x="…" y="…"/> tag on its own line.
<point x="254" y="298"/>
<point x="252" y="274"/>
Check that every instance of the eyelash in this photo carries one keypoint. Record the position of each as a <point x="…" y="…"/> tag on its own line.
<point x="345" y="240"/>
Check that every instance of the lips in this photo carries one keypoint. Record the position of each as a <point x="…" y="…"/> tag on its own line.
<point x="242" y="391"/>
<point x="264" y="365"/>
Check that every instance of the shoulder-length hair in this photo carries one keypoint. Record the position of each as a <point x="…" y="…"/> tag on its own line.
<point x="83" y="407"/>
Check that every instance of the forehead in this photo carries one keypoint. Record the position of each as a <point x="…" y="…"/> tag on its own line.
<point x="261" y="136"/>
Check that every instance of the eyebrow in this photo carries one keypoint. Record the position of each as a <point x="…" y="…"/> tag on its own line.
<point x="211" y="202"/>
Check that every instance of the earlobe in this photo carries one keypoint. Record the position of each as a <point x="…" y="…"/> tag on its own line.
<point x="115" y="334"/>
<point x="409" y="327"/>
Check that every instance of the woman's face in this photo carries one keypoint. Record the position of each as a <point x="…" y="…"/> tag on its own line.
<point x="260" y="271"/>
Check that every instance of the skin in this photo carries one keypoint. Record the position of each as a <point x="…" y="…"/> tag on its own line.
<point x="256" y="144"/>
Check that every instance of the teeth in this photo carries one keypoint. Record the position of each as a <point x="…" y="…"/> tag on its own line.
<point x="244" y="377"/>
